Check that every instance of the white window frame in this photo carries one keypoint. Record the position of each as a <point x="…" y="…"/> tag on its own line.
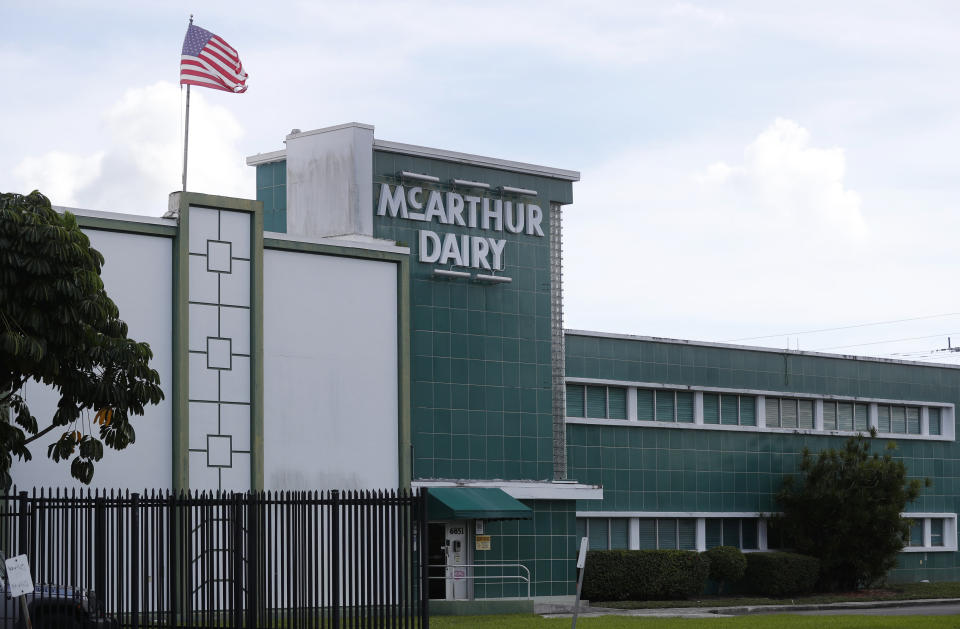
<point x="947" y="411"/>
<point x="949" y="532"/>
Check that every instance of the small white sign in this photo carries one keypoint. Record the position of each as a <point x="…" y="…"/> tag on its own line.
<point x="18" y="575"/>
<point x="582" y="557"/>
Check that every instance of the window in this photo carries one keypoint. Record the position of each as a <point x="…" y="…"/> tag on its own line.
<point x="596" y="401"/>
<point x="936" y="531"/>
<point x="846" y="416"/>
<point x="668" y="534"/>
<point x="934" y="423"/>
<point x="665" y="406"/>
<point x="604" y="533"/>
<point x="916" y="533"/>
<point x="902" y="420"/>
<point x="789" y="412"/>
<point x="740" y="533"/>
<point x="730" y="410"/>
<point x="913" y="420"/>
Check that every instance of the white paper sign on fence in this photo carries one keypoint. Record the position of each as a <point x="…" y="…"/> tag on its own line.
<point x="18" y="575"/>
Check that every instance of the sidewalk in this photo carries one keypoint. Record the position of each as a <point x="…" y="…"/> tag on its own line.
<point x="586" y="611"/>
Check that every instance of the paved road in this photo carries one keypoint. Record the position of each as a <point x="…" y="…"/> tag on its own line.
<point x="913" y="610"/>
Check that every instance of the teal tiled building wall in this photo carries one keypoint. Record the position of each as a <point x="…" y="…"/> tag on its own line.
<point x="546" y="545"/>
<point x="481" y="352"/>
<point x="644" y="468"/>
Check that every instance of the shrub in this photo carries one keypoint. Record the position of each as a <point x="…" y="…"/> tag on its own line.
<point x="637" y="575"/>
<point x="780" y="574"/>
<point x="844" y="509"/>
<point x="727" y="564"/>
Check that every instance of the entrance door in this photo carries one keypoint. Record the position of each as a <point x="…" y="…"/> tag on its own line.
<point x="437" y="558"/>
<point x="456" y="546"/>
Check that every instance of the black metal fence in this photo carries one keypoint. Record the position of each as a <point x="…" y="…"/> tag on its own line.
<point x="272" y="559"/>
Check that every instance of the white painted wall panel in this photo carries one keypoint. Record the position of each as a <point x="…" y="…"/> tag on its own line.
<point x="138" y="277"/>
<point x="235" y="383"/>
<point x="203" y="324"/>
<point x="330" y="372"/>
<point x="203" y="422"/>
<point x="235" y="287"/>
<point x="203" y="283"/>
<point x="203" y="227"/>
<point x="235" y="227"/>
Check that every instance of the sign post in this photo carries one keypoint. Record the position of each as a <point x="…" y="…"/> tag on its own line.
<point x="20" y="582"/>
<point x="581" y="564"/>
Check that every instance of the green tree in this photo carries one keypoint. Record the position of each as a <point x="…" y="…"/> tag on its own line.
<point x="845" y="510"/>
<point x="59" y="327"/>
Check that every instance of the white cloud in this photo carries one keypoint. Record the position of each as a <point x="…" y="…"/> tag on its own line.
<point x="59" y="175"/>
<point x="670" y="246"/>
<point x="142" y="162"/>
<point x="784" y="175"/>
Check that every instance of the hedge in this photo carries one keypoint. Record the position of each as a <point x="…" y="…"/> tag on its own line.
<point x="638" y="575"/>
<point x="727" y="566"/>
<point x="780" y="574"/>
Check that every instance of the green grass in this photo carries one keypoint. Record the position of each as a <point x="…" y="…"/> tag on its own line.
<point x="902" y="592"/>
<point x="741" y="622"/>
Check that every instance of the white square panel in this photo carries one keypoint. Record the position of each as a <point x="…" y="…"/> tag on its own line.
<point x="235" y="421"/>
<point x="235" y="227"/>
<point x="237" y="476"/>
<point x="235" y="323"/>
<point x="202" y="476"/>
<point x="219" y="451"/>
<point x="203" y="421"/>
<point x="204" y="383"/>
<point x="235" y="384"/>
<point x="235" y="287"/>
<point x="218" y="353"/>
<point x="204" y="226"/>
<point x="203" y="323"/>
<point x="203" y="283"/>
<point x="218" y="256"/>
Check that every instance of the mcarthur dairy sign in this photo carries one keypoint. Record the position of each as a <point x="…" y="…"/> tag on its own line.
<point x="489" y="216"/>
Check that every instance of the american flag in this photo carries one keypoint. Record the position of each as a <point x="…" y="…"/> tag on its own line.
<point x="208" y="61"/>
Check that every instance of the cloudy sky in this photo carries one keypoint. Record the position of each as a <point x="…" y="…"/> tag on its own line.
<point x="778" y="173"/>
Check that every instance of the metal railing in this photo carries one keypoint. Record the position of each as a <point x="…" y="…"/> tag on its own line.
<point x="518" y="577"/>
<point x="262" y="559"/>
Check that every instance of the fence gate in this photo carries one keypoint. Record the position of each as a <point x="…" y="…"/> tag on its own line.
<point x="264" y="559"/>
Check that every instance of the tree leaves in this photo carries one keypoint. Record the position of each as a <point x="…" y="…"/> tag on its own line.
<point x="59" y="327"/>
<point x="845" y="510"/>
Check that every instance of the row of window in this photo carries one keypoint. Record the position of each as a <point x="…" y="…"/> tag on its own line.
<point x="678" y="406"/>
<point x="742" y="533"/>
<point x="669" y="533"/>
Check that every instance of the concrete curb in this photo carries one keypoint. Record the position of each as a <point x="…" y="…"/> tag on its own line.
<point x="767" y="609"/>
<point x="705" y="612"/>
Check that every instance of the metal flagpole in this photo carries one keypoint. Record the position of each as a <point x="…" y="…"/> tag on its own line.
<point x="186" y="130"/>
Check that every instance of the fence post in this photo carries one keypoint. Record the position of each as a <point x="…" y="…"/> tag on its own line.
<point x="23" y="538"/>
<point x="335" y="554"/>
<point x="134" y="561"/>
<point x="252" y="554"/>
<point x="100" y="550"/>
<point x="424" y="559"/>
<point x="236" y="525"/>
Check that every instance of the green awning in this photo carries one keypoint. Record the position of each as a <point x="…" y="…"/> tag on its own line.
<point x="474" y="503"/>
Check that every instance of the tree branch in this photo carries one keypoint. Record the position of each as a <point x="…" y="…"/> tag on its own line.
<point x="39" y="434"/>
